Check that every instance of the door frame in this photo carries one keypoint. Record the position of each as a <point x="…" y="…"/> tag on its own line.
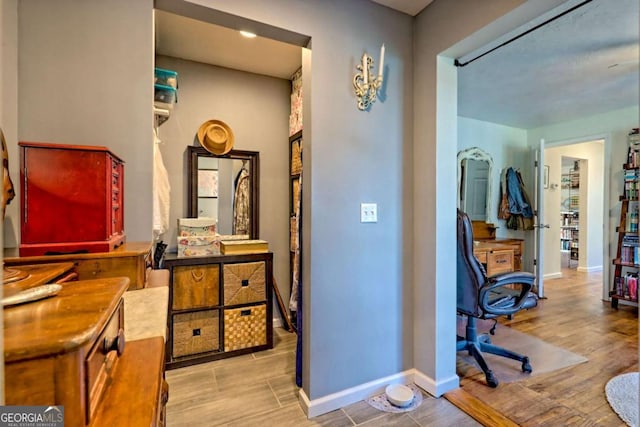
<point x="606" y="182"/>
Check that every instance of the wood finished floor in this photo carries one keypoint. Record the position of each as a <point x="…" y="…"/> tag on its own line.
<point x="573" y="317"/>
<point x="259" y="390"/>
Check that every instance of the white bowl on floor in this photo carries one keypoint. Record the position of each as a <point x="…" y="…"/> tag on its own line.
<point x="399" y="395"/>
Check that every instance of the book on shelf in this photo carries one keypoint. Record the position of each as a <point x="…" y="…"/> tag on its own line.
<point x="236" y="247"/>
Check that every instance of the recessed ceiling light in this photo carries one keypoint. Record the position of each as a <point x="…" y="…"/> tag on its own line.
<point x="248" y="34"/>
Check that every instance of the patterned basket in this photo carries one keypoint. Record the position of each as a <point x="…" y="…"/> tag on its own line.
<point x="196" y="332"/>
<point x="196" y="286"/>
<point x="244" y="283"/>
<point x="296" y="157"/>
<point x="245" y="327"/>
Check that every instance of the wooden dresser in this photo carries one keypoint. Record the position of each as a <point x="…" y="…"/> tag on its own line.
<point x="72" y="199"/>
<point x="70" y="350"/>
<point x="132" y="260"/>
<point x="495" y="257"/>
<point x="219" y="306"/>
<point x="486" y="232"/>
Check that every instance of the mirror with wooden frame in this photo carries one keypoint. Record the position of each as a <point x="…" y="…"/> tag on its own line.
<point x="225" y="187"/>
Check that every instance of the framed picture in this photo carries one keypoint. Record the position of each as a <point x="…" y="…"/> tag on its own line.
<point x="546" y="176"/>
<point x="207" y="183"/>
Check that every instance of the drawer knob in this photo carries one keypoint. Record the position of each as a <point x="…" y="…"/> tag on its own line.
<point x="116" y="343"/>
<point x="245" y="282"/>
<point x="245" y="312"/>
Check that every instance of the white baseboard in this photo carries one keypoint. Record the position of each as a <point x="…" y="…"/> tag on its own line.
<point x="435" y="389"/>
<point x="331" y="402"/>
<point x="590" y="269"/>
<point x="277" y="322"/>
<point x="550" y="276"/>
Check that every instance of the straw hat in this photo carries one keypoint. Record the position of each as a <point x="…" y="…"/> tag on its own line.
<point x="216" y="137"/>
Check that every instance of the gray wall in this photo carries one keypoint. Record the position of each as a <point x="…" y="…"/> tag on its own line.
<point x="356" y="276"/>
<point x="86" y="78"/>
<point x="257" y="110"/>
<point x="365" y="315"/>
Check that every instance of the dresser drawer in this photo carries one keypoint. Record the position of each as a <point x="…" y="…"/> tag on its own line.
<point x="244" y="283"/>
<point x="499" y="262"/>
<point x="196" y="332"/>
<point x="196" y="286"/>
<point x="98" y="268"/>
<point x="101" y="360"/>
<point x="245" y="327"/>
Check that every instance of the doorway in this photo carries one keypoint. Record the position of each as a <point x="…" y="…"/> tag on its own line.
<point x="574" y="207"/>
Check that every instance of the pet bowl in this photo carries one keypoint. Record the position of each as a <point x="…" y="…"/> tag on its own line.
<point x="399" y="395"/>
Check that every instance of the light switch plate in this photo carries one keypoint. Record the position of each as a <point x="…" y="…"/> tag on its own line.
<point x="368" y="212"/>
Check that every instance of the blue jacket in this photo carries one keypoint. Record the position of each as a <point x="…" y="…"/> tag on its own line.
<point x="518" y="199"/>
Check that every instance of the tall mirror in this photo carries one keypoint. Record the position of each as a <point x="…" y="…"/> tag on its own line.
<point x="475" y="167"/>
<point x="225" y="187"/>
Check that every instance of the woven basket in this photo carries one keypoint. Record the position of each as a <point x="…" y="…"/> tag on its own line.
<point x="245" y="327"/>
<point x="244" y="283"/>
<point x="195" y="333"/>
<point x="296" y="193"/>
<point x="296" y="157"/>
<point x="196" y="286"/>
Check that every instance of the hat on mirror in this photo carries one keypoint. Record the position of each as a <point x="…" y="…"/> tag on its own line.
<point x="216" y="137"/>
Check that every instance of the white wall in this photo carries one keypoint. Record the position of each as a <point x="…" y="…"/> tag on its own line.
<point x="508" y="148"/>
<point x="591" y="201"/>
<point x="257" y="110"/>
<point x="613" y="127"/>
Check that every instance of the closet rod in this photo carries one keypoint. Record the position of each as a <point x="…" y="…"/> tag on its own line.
<point x="462" y="64"/>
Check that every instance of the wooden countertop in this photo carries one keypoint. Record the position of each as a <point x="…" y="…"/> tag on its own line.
<point x="488" y="245"/>
<point x="38" y="275"/>
<point x="62" y="323"/>
<point x="12" y="255"/>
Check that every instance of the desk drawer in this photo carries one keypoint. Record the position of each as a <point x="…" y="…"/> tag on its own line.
<point x="102" y="359"/>
<point x="481" y="256"/>
<point x="499" y="262"/>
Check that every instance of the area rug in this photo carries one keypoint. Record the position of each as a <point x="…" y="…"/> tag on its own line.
<point x="381" y="403"/>
<point x="622" y="394"/>
<point x="544" y="357"/>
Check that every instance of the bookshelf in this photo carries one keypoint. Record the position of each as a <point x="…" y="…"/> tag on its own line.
<point x="569" y="216"/>
<point x="624" y="286"/>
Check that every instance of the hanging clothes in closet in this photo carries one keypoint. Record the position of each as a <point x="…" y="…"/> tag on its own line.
<point x="161" y="191"/>
<point x="241" y="217"/>
<point x="515" y="205"/>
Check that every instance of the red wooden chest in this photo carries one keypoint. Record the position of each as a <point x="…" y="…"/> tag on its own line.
<point x="72" y="199"/>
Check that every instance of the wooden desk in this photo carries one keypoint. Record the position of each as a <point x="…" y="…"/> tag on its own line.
<point x="497" y="258"/>
<point x="486" y="232"/>
<point x="130" y="260"/>
<point x="70" y="350"/>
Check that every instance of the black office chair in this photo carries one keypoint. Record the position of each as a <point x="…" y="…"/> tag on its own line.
<point x="482" y="297"/>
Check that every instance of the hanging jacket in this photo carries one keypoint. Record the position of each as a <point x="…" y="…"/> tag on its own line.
<point x="518" y="199"/>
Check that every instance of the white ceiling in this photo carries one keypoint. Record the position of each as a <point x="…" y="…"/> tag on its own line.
<point x="556" y="73"/>
<point x="410" y="7"/>
<point x="200" y="41"/>
<point x="559" y="72"/>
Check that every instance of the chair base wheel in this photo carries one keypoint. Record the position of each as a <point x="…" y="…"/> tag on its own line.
<point x="491" y="380"/>
<point x="526" y="367"/>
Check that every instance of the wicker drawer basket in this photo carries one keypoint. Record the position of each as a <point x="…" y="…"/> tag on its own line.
<point x="196" y="286"/>
<point x="244" y="283"/>
<point x="245" y="327"/>
<point x="196" y="332"/>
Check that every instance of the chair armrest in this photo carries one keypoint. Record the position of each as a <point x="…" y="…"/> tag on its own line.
<point x="525" y="282"/>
